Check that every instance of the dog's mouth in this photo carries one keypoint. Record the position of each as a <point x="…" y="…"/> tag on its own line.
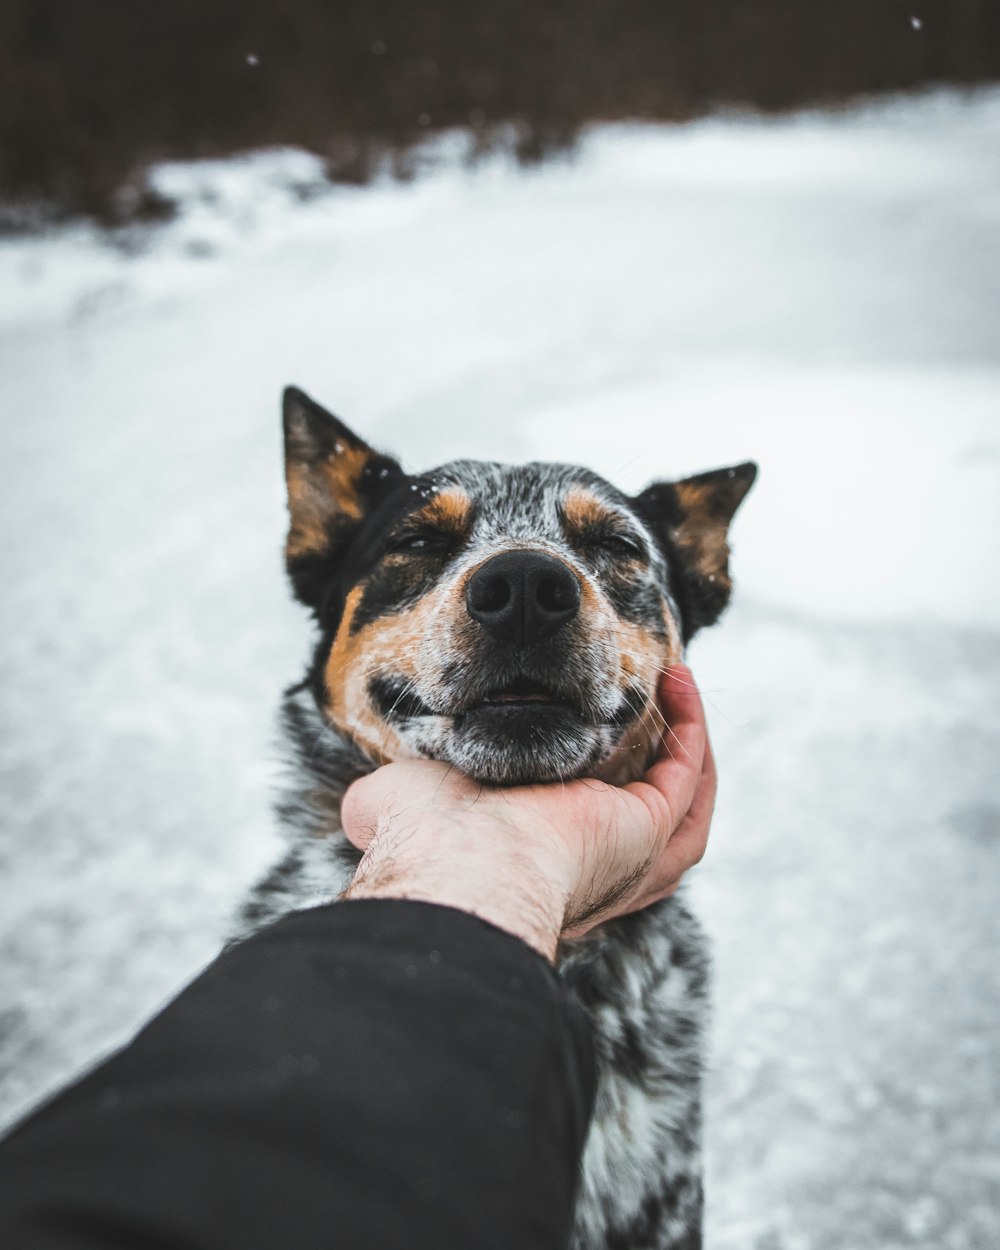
<point x="397" y="700"/>
<point x="509" y="728"/>
<point x="522" y="692"/>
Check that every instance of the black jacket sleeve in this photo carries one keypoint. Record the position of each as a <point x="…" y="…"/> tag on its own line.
<point x="372" y="1074"/>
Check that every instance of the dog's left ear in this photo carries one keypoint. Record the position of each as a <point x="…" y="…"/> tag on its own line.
<point x="334" y="478"/>
<point x="691" y="518"/>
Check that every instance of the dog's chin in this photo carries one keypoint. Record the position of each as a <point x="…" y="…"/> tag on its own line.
<point x="518" y="743"/>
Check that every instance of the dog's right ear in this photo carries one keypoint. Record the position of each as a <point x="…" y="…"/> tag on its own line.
<point x="333" y="479"/>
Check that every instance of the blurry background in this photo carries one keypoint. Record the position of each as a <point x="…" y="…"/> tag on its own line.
<point x="93" y="93"/>
<point x="651" y="238"/>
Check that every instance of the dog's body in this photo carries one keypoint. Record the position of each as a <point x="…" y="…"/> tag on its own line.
<point x="514" y="622"/>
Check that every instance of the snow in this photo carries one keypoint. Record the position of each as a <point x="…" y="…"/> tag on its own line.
<point x="820" y="293"/>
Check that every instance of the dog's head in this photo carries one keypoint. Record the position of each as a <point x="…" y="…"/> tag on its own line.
<point x="511" y="620"/>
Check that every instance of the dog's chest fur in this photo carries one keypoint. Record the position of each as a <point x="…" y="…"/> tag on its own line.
<point x="642" y="981"/>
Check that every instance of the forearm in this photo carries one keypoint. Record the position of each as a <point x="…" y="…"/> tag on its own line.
<point x="371" y="1074"/>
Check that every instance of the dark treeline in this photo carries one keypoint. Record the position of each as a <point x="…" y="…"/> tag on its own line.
<point x="92" y="90"/>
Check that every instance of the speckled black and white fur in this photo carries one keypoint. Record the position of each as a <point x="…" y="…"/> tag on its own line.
<point x="405" y="666"/>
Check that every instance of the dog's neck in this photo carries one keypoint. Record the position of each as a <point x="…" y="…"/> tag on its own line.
<point x="321" y="763"/>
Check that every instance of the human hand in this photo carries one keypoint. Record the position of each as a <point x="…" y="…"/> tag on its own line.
<point x="542" y="861"/>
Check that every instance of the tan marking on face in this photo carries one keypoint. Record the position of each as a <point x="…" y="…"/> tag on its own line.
<point x="448" y="510"/>
<point x="593" y="605"/>
<point x="582" y="509"/>
<point x="675" y="644"/>
<point x="388" y="645"/>
<point x="634" y="753"/>
<point x="642" y="654"/>
<point x="317" y="493"/>
<point x="642" y="657"/>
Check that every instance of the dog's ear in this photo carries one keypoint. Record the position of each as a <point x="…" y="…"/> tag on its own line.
<point x="333" y="479"/>
<point x="691" y="518"/>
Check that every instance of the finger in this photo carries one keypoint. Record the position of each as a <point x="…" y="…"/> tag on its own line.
<point x="689" y="842"/>
<point x="359" y="811"/>
<point x="400" y="792"/>
<point x="677" y="770"/>
<point x="684" y="713"/>
<point x="686" y="847"/>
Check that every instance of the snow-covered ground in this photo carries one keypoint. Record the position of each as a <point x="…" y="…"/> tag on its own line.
<point x="820" y="293"/>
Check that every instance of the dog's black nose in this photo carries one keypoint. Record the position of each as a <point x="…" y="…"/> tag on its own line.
<point x="523" y="596"/>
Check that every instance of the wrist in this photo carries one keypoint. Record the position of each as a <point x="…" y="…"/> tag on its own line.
<point x="478" y="871"/>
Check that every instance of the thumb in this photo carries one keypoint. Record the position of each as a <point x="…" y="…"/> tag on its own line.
<point x="359" y="812"/>
<point x="374" y="801"/>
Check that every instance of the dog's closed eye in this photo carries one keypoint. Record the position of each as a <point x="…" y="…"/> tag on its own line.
<point x="614" y="543"/>
<point x="420" y="542"/>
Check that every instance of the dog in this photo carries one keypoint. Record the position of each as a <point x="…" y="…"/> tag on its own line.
<point x="514" y="621"/>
